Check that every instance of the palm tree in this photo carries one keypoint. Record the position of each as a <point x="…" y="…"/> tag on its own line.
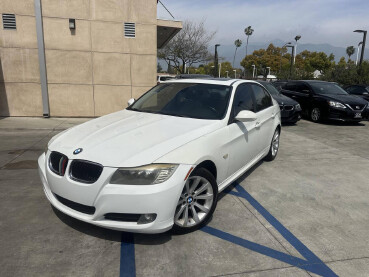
<point x="238" y="44"/>
<point x="248" y="33"/>
<point x="350" y="51"/>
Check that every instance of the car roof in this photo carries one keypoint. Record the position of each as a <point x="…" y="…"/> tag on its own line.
<point x="213" y="81"/>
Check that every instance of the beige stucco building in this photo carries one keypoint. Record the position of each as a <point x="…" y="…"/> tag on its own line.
<point x="49" y="68"/>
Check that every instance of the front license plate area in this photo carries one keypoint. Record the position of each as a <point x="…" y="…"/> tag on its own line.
<point x="357" y="115"/>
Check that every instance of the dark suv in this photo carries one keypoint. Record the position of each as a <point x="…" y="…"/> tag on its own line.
<point x="324" y="100"/>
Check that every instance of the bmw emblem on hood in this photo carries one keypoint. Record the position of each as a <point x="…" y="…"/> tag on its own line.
<point x="77" y="151"/>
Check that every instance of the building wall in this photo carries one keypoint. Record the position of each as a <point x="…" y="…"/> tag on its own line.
<point x="91" y="71"/>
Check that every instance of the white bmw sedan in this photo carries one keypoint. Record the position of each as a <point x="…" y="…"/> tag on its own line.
<point x="161" y="162"/>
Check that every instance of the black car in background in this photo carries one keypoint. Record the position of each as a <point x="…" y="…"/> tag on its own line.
<point x="279" y="84"/>
<point x="325" y="100"/>
<point x="359" y="90"/>
<point x="290" y="109"/>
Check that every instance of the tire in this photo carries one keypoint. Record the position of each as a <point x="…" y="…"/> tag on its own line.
<point x="315" y="114"/>
<point x="274" y="146"/>
<point x="199" y="198"/>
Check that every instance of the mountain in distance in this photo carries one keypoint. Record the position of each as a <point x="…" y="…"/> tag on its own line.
<point x="227" y="51"/>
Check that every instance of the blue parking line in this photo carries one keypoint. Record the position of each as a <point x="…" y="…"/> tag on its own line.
<point x="127" y="256"/>
<point x="312" y="263"/>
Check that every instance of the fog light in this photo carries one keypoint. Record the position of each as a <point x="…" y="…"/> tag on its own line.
<point x="146" y="218"/>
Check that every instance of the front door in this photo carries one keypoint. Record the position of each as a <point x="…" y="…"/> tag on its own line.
<point x="243" y="135"/>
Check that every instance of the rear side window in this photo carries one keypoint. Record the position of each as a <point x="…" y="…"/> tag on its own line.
<point x="243" y="99"/>
<point x="302" y="88"/>
<point x="290" y="86"/>
<point x="262" y="98"/>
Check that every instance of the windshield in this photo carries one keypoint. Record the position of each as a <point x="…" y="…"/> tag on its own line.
<point x="272" y="89"/>
<point x="203" y="101"/>
<point x="327" y="88"/>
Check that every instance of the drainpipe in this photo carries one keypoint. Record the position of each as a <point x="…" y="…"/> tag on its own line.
<point x="41" y="59"/>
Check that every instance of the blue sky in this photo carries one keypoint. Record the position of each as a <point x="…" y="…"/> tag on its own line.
<point x="317" y="21"/>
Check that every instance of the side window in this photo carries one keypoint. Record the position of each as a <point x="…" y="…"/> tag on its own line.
<point x="290" y="86"/>
<point x="357" y="90"/>
<point x="302" y="88"/>
<point x="262" y="99"/>
<point x="243" y="99"/>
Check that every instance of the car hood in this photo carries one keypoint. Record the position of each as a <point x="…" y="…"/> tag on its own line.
<point x="282" y="99"/>
<point x="129" y="138"/>
<point x="345" y="99"/>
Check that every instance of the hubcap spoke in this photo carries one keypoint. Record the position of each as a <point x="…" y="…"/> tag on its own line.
<point x="180" y="212"/>
<point x="202" y="208"/>
<point x="201" y="189"/>
<point x="185" y="219"/>
<point x="195" y="184"/>
<point x="195" y="215"/>
<point x="204" y="196"/>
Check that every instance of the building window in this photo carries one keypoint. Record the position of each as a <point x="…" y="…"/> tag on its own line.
<point x="129" y="30"/>
<point x="9" y="21"/>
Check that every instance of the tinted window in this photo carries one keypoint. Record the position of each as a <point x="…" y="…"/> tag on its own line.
<point x="302" y="88"/>
<point x="357" y="90"/>
<point x="327" y="88"/>
<point x="290" y="86"/>
<point x="262" y="99"/>
<point x="204" y="101"/>
<point x="243" y="99"/>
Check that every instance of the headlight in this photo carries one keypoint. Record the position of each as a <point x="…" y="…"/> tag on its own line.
<point x="143" y="175"/>
<point x="336" y="104"/>
<point x="297" y="107"/>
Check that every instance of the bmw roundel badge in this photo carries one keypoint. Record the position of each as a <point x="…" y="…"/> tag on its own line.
<point x="77" y="151"/>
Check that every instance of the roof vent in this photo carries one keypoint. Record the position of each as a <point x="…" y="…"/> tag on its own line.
<point x="9" y="21"/>
<point x="129" y="30"/>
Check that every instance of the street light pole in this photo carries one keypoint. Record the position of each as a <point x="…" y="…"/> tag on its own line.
<point x="358" y="50"/>
<point x="220" y="68"/>
<point x="296" y="38"/>
<point x="216" y="60"/>
<point x="363" y="46"/>
<point x="292" y="58"/>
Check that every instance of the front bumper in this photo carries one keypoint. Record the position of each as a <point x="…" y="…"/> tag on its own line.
<point x="291" y="116"/>
<point x="160" y="199"/>
<point x="347" y="114"/>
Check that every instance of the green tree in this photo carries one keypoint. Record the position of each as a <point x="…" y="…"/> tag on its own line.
<point x="350" y="51"/>
<point x="238" y="44"/>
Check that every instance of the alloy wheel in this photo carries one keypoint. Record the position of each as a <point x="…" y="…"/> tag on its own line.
<point x="275" y="143"/>
<point x="195" y="202"/>
<point x="315" y="114"/>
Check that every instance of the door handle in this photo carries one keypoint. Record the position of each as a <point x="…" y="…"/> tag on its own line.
<point x="257" y="124"/>
<point x="273" y="115"/>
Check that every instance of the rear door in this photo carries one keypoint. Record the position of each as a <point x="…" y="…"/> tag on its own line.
<point x="265" y="112"/>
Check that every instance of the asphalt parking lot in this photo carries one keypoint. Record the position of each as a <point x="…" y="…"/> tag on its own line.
<point x="305" y="214"/>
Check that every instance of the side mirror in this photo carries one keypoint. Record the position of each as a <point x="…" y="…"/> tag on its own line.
<point x="246" y="116"/>
<point x="131" y="101"/>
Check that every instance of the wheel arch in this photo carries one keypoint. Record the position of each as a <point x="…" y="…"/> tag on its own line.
<point x="210" y="166"/>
